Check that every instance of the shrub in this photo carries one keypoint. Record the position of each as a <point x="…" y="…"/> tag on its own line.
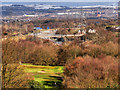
<point x="34" y="84"/>
<point x="110" y="48"/>
<point x="68" y="53"/>
<point x="94" y="50"/>
<point x="43" y="56"/>
<point x="10" y="52"/>
<point x="91" y="73"/>
<point x="13" y="76"/>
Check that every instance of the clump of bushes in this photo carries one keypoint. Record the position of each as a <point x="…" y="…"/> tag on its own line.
<point x="88" y="72"/>
<point x="110" y="49"/>
<point x="67" y="53"/>
<point x="43" y="56"/>
<point x="36" y="85"/>
<point x="41" y="53"/>
<point x="13" y="76"/>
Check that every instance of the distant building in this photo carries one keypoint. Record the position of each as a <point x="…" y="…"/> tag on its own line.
<point x="118" y="27"/>
<point x="79" y="31"/>
<point x="25" y="15"/>
<point x="91" y="31"/>
<point x="37" y="28"/>
<point x="97" y="22"/>
<point x="81" y="25"/>
<point x="48" y="28"/>
<point x="46" y="31"/>
<point x="82" y="32"/>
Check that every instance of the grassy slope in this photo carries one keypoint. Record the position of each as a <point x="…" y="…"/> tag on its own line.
<point x="46" y="75"/>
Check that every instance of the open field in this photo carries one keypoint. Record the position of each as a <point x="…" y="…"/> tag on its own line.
<point x="48" y="76"/>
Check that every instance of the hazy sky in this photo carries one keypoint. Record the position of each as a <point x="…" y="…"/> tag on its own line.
<point x="59" y="0"/>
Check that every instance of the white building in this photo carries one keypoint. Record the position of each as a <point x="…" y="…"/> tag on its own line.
<point x="91" y="31"/>
<point x="82" y="32"/>
<point x="25" y="15"/>
<point x="118" y="27"/>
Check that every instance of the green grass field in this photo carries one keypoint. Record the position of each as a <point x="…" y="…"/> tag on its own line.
<point x="48" y="76"/>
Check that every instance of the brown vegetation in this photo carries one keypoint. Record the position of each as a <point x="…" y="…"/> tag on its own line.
<point x="88" y="72"/>
<point x="86" y="66"/>
<point x="13" y="76"/>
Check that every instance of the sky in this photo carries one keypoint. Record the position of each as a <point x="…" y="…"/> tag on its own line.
<point x="59" y="0"/>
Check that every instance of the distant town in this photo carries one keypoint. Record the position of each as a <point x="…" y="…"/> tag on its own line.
<point x="32" y="12"/>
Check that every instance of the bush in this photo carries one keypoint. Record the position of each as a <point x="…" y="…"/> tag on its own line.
<point x="43" y="56"/>
<point x="68" y="53"/>
<point x="91" y="73"/>
<point x="10" y="52"/>
<point x="34" y="84"/>
<point x="13" y="76"/>
<point x="110" y="49"/>
<point x="94" y="50"/>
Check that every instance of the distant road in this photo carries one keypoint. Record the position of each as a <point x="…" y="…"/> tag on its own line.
<point x="60" y="35"/>
<point x="45" y="35"/>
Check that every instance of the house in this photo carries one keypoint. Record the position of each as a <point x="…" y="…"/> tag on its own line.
<point x="81" y="31"/>
<point x="91" y="31"/>
<point x="118" y="27"/>
<point x="25" y="15"/>
<point x="81" y="25"/>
